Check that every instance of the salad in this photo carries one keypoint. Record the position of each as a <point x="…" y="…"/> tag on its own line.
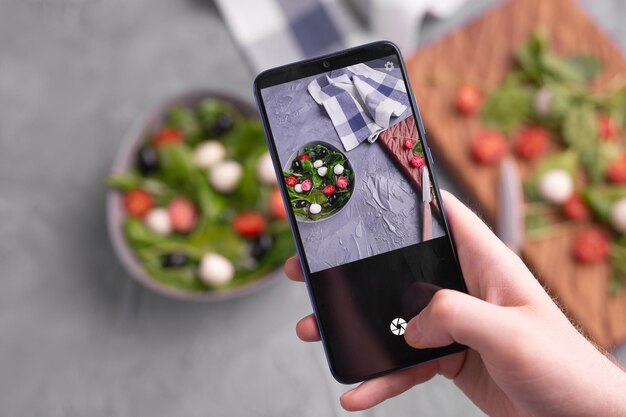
<point x="571" y="136"/>
<point x="320" y="181"/>
<point x="203" y="210"/>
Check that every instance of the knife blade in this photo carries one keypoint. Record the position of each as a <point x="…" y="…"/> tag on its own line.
<point x="510" y="225"/>
<point x="427" y="225"/>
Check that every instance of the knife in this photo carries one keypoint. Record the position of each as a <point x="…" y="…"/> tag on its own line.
<point x="510" y="226"/>
<point x="427" y="229"/>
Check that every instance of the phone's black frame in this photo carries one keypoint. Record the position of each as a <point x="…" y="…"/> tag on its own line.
<point x="320" y="65"/>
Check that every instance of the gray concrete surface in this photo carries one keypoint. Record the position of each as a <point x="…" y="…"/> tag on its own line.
<point x="384" y="212"/>
<point x="77" y="338"/>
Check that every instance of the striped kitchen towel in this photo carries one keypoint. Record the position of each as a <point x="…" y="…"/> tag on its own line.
<point x="361" y="101"/>
<point x="276" y="32"/>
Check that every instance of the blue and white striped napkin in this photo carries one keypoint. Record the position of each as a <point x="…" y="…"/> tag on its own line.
<point x="360" y="101"/>
<point x="276" y="32"/>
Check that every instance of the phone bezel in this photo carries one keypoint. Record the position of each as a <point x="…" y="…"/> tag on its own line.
<point x="315" y="66"/>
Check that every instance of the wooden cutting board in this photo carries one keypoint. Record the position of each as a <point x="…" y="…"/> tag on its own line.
<point x="482" y="53"/>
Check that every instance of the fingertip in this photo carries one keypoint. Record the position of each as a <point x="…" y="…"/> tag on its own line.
<point x="293" y="269"/>
<point x="307" y="329"/>
<point x="412" y="335"/>
<point x="347" y="401"/>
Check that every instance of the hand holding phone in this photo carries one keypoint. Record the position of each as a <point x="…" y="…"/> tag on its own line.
<point x="525" y="357"/>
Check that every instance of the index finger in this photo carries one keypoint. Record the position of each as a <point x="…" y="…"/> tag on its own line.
<point x="293" y="269"/>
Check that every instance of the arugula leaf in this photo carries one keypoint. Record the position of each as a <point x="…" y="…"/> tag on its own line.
<point x="615" y="105"/>
<point x="580" y="133"/>
<point x="587" y="67"/>
<point x="601" y="200"/>
<point x="177" y="168"/>
<point x="508" y="106"/>
<point x="184" y="119"/>
<point x="123" y="182"/>
<point x="541" y="65"/>
<point x="538" y="220"/>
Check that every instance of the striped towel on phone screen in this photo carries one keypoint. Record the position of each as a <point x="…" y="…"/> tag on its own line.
<point x="360" y="101"/>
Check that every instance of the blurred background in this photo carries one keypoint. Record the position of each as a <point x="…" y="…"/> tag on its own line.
<point x="79" y="336"/>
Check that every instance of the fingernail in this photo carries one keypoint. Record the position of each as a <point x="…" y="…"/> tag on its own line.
<point x="413" y="332"/>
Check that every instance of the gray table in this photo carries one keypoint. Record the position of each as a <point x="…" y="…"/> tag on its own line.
<point x="77" y="338"/>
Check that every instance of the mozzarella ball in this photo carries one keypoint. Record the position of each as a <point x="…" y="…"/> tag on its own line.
<point x="208" y="153"/>
<point x="265" y="170"/>
<point x="322" y="171"/>
<point x="318" y="164"/>
<point x="315" y="208"/>
<point x="338" y="169"/>
<point x="618" y="215"/>
<point x="298" y="188"/>
<point x="225" y="176"/>
<point x="158" y="220"/>
<point x="215" y="269"/>
<point x="556" y="186"/>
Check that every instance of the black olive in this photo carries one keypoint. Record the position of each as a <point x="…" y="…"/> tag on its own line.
<point x="296" y="165"/>
<point x="261" y="245"/>
<point x="332" y="199"/>
<point x="174" y="260"/>
<point x="147" y="160"/>
<point x="223" y="123"/>
<point x="301" y="204"/>
<point x="322" y="152"/>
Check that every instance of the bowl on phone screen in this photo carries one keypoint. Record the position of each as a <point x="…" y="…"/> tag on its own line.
<point x="320" y="181"/>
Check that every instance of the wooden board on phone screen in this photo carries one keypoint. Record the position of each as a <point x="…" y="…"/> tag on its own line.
<point x="482" y="53"/>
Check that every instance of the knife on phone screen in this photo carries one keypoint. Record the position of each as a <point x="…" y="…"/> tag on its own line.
<point x="427" y="229"/>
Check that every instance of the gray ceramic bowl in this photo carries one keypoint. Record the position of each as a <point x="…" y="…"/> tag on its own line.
<point x="116" y="215"/>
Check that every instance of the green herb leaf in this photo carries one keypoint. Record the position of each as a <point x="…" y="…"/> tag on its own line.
<point x="580" y="133"/>
<point x="508" y="106"/>
<point x="586" y="66"/>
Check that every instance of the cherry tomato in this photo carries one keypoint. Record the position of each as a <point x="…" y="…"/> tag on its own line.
<point x="249" y="224"/>
<point x="468" y="100"/>
<point x="291" y="181"/>
<point x="575" y="208"/>
<point x="138" y="202"/>
<point x="489" y="147"/>
<point x="167" y="135"/>
<point x="616" y="172"/>
<point x="329" y="190"/>
<point x="591" y="245"/>
<point x="342" y="182"/>
<point x="532" y="142"/>
<point x="606" y="127"/>
<point x="277" y="208"/>
<point x="183" y="214"/>
<point x="304" y="157"/>
<point x="417" y="161"/>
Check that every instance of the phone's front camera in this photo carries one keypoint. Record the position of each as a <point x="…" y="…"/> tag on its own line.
<point x="326" y="64"/>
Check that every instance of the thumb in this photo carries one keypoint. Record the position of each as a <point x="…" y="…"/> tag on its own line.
<point x="453" y="316"/>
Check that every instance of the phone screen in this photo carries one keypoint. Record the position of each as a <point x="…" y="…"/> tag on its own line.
<point x="357" y="176"/>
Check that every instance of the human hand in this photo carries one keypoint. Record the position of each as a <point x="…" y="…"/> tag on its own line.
<point x="525" y="357"/>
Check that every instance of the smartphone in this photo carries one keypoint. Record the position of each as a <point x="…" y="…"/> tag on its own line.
<point x="357" y="179"/>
